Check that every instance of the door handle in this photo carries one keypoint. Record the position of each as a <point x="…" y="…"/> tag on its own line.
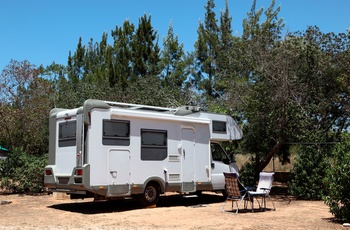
<point x="114" y="174"/>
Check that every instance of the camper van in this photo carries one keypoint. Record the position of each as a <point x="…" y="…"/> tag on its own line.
<point x="112" y="150"/>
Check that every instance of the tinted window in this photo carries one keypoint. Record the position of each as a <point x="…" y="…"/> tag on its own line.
<point x="219" y="126"/>
<point x="116" y="132"/>
<point x="66" y="136"/>
<point x="153" y="145"/>
<point x="217" y="152"/>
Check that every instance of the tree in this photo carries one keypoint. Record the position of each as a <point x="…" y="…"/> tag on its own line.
<point x="308" y="172"/>
<point x="226" y="43"/>
<point x="24" y="107"/>
<point x="76" y="64"/>
<point x="145" y="50"/>
<point x="337" y="180"/>
<point x="263" y="107"/>
<point x="286" y="90"/>
<point x="173" y="63"/>
<point x="121" y="63"/>
<point x="206" y="50"/>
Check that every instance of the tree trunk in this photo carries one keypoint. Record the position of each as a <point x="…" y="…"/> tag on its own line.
<point x="266" y="160"/>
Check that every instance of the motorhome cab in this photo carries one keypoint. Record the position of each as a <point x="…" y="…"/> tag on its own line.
<point x="110" y="150"/>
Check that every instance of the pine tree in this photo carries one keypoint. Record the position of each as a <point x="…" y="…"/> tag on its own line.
<point x="206" y="50"/>
<point x="145" y="50"/>
<point x="121" y="65"/>
<point x="225" y="47"/>
<point x="173" y="64"/>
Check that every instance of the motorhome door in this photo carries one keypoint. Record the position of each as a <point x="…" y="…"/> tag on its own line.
<point x="188" y="158"/>
<point x="119" y="172"/>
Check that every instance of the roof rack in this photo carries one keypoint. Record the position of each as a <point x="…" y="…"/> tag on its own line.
<point x="143" y="107"/>
<point x="180" y="111"/>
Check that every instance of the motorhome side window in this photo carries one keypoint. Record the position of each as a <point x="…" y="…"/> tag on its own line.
<point x="116" y="132"/>
<point x="66" y="136"/>
<point x="153" y="145"/>
<point x="219" y="126"/>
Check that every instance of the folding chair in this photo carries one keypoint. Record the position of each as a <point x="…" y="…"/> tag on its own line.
<point x="232" y="190"/>
<point x="263" y="190"/>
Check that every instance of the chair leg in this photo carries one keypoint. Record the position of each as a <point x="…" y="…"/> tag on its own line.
<point x="264" y="200"/>
<point x="223" y="207"/>
<point x="273" y="204"/>
<point x="256" y="198"/>
<point x="238" y="204"/>
<point x="251" y="200"/>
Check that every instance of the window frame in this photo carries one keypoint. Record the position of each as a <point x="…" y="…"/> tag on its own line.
<point x="67" y="141"/>
<point x="214" y="126"/>
<point x="115" y="140"/>
<point x="153" y="152"/>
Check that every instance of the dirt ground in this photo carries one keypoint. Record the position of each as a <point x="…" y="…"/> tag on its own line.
<point x="172" y="212"/>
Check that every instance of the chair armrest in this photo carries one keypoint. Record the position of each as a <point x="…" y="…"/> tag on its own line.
<point x="250" y="188"/>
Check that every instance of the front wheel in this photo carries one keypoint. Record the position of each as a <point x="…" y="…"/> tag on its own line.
<point x="150" y="196"/>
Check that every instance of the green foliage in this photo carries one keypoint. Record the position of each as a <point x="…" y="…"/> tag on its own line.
<point x="25" y="103"/>
<point x="281" y="89"/>
<point x="23" y="173"/>
<point x="337" y="196"/>
<point x="308" y="171"/>
<point x="248" y="175"/>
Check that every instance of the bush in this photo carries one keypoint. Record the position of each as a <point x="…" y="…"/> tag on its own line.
<point x="308" y="171"/>
<point x="23" y="173"/>
<point x="248" y="176"/>
<point x="337" y="178"/>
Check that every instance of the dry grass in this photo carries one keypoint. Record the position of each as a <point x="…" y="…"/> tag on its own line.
<point x="274" y="165"/>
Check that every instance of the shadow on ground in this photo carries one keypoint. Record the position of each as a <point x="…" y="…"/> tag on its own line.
<point x="172" y="200"/>
<point x="98" y="207"/>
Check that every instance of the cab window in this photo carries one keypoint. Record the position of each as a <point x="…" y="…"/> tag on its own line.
<point x="218" y="154"/>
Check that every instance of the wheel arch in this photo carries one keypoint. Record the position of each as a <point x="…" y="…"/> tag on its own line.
<point x="156" y="180"/>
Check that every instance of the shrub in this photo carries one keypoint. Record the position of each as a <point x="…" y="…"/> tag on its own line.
<point x="308" y="171"/>
<point x="337" y="178"/>
<point x="23" y="173"/>
<point x="247" y="174"/>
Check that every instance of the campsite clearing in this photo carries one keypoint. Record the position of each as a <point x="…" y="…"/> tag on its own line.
<point x="172" y="212"/>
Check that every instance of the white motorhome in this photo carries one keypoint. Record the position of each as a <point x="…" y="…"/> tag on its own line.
<point x="110" y="150"/>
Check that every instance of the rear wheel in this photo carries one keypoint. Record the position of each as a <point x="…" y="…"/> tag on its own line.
<point x="224" y="193"/>
<point x="150" y="196"/>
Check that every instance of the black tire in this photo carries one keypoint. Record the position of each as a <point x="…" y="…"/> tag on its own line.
<point x="150" y="196"/>
<point x="224" y="193"/>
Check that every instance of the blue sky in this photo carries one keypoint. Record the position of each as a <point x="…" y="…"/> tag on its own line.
<point x="43" y="31"/>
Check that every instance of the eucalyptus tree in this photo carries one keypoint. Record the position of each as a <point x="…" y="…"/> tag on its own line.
<point x="288" y="89"/>
<point x="256" y="68"/>
<point x="24" y="107"/>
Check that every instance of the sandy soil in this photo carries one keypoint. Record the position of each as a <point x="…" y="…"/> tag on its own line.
<point x="172" y="212"/>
